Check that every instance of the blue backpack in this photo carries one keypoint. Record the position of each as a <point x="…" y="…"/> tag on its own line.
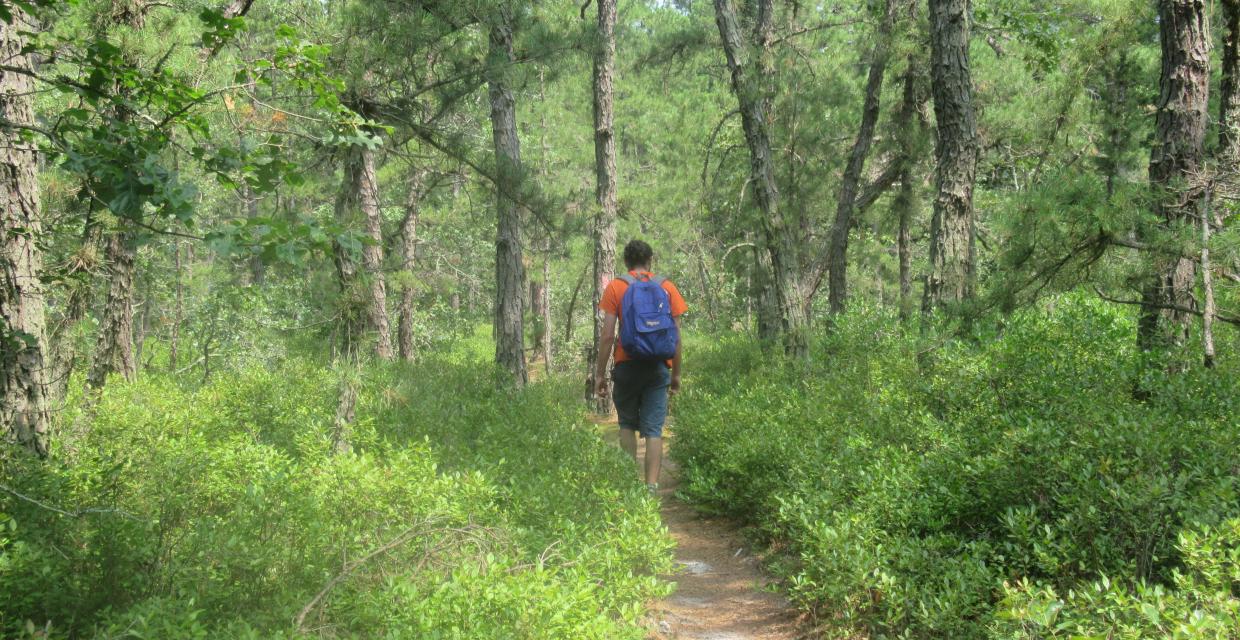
<point x="647" y="330"/>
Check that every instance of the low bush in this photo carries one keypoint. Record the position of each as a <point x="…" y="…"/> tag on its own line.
<point x="461" y="512"/>
<point x="929" y="487"/>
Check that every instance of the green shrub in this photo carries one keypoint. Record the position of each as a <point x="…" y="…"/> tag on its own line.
<point x="462" y="512"/>
<point x="909" y="477"/>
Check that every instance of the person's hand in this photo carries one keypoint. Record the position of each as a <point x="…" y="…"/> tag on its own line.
<point x="600" y="387"/>
<point x="675" y="388"/>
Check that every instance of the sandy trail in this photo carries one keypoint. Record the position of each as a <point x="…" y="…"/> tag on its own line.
<point x="721" y="591"/>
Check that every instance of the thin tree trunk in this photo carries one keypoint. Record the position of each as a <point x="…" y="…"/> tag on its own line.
<point x="605" y="183"/>
<point x="544" y="302"/>
<point x="174" y="340"/>
<point x="358" y="205"/>
<point x="845" y="204"/>
<point x="953" y="260"/>
<point x="572" y="306"/>
<point x="372" y="254"/>
<point x="509" y="267"/>
<point x="546" y="307"/>
<point x="1207" y="284"/>
<point x="1176" y="164"/>
<point x="258" y="270"/>
<point x="409" y="251"/>
<point x="910" y="125"/>
<point x="114" y="344"/>
<point x="24" y="415"/>
<point x="751" y="68"/>
<point x="1229" y="97"/>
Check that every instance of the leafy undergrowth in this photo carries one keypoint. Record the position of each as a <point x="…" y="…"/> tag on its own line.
<point x="462" y="512"/>
<point x="1006" y="488"/>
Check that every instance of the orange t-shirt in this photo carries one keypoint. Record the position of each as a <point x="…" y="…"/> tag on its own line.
<point x="614" y="294"/>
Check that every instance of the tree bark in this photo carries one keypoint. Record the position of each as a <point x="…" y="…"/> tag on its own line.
<point x="114" y="343"/>
<point x="1176" y="164"/>
<point x="509" y="267"/>
<point x="1229" y="98"/>
<point x="358" y="205"/>
<point x="409" y="257"/>
<point x="952" y="230"/>
<point x="24" y="415"/>
<point x="751" y="67"/>
<point x="847" y="198"/>
<point x="910" y="126"/>
<point x="604" y="233"/>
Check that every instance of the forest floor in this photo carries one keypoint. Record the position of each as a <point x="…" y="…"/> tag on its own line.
<point x="722" y="591"/>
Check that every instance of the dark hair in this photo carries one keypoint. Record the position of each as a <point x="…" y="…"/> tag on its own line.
<point x="637" y="254"/>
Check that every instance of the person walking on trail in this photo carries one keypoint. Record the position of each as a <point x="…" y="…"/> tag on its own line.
<point x="646" y="308"/>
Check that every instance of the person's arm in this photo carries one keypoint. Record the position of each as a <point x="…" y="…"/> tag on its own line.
<point x="676" y="359"/>
<point x="606" y="343"/>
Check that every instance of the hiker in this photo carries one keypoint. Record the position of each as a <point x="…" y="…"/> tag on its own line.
<point x="647" y="310"/>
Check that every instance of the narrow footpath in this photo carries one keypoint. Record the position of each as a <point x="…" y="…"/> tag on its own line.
<point x="722" y="592"/>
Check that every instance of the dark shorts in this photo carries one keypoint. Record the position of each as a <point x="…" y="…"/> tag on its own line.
<point x="640" y="395"/>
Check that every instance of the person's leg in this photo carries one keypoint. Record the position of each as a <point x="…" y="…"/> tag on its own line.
<point x="627" y="396"/>
<point x="628" y="442"/>
<point x="653" y="414"/>
<point x="654" y="459"/>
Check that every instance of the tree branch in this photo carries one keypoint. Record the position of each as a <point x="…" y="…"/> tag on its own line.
<point x="1169" y="307"/>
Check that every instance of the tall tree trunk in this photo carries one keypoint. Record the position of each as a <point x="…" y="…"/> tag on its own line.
<point x="910" y="126"/>
<point x="605" y="181"/>
<point x="358" y="205"/>
<point x="509" y="267"/>
<point x="372" y="254"/>
<point x="751" y="68"/>
<point x="24" y="415"/>
<point x="847" y="198"/>
<point x="174" y="340"/>
<point x="409" y="257"/>
<point x="905" y="205"/>
<point x="953" y="260"/>
<point x="258" y="270"/>
<point x="1177" y="164"/>
<point x="1229" y="98"/>
<point x="114" y="343"/>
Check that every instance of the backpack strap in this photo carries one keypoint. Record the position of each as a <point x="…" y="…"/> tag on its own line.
<point x="627" y="278"/>
<point x="659" y="280"/>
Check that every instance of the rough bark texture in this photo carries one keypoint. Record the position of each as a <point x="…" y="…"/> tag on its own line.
<point x="365" y="292"/>
<point x="1176" y="163"/>
<point x="409" y="258"/>
<point x="509" y="268"/>
<point x="751" y="67"/>
<point x="910" y="125"/>
<point x="837" y="255"/>
<point x="114" y="344"/>
<point x="1229" y="97"/>
<point x="952" y="232"/>
<point x="905" y="206"/>
<point x="24" y="415"/>
<point x="605" y="179"/>
<point x="372" y="254"/>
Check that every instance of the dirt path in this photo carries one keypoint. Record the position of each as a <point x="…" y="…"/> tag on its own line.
<point x="721" y="591"/>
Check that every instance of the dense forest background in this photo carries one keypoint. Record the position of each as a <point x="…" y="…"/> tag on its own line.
<point x="299" y="312"/>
